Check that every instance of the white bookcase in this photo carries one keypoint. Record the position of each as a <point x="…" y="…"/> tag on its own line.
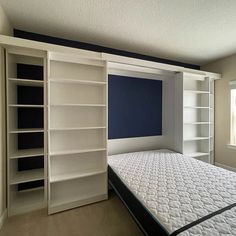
<point x="194" y="109"/>
<point x="26" y="133"/>
<point x="77" y="111"/>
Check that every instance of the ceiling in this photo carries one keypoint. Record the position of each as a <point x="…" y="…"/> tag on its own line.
<point x="192" y="31"/>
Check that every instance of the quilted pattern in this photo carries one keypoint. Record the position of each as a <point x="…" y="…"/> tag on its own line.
<point x="178" y="190"/>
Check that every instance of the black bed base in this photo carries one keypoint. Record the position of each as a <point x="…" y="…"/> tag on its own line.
<point x="145" y="221"/>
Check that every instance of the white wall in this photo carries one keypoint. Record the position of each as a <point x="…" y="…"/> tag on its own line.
<point x="6" y="29"/>
<point x="227" y="67"/>
<point x="116" y="146"/>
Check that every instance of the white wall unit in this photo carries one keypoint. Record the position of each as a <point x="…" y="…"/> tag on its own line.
<point x="194" y="115"/>
<point x="24" y="178"/>
<point x="77" y="131"/>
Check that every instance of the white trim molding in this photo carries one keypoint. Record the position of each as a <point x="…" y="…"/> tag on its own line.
<point x="3" y="218"/>
<point x="231" y="146"/>
<point x="225" y="167"/>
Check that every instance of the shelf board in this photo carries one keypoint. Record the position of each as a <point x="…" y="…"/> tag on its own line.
<point x="27" y="153"/>
<point x="59" y="153"/>
<point x="197" y="123"/>
<point x="197" y="154"/>
<point x="78" y="105"/>
<point x="27" y="176"/>
<point x="196" y="138"/>
<point x="71" y="176"/>
<point x="77" y="128"/>
<point x="76" y="81"/>
<point x="197" y="91"/>
<point x="196" y="107"/>
<point x="30" y="130"/>
<point x="25" y="201"/>
<point x="27" y="82"/>
<point x="26" y="105"/>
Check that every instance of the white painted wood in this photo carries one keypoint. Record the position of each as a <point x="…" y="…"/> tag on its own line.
<point x="76" y="151"/>
<point x="26" y="176"/>
<point x="197" y="123"/>
<point x="26" y="153"/>
<point x="77" y="98"/>
<point x="26" y="82"/>
<point x="62" y="206"/>
<point x="23" y="200"/>
<point x="77" y="190"/>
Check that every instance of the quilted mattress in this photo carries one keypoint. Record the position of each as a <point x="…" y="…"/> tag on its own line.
<point x="186" y="196"/>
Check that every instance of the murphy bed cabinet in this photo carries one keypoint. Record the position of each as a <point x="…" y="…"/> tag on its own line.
<point x="57" y="120"/>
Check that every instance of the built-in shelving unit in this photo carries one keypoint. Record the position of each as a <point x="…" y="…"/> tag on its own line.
<point x="194" y="125"/>
<point x="27" y="175"/>
<point x="77" y="111"/>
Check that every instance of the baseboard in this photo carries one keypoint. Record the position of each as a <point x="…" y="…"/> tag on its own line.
<point x="225" y="167"/>
<point x="3" y="218"/>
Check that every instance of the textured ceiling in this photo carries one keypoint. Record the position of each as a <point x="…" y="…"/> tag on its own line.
<point x="193" y="31"/>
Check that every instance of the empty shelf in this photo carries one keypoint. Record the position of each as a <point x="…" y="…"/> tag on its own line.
<point x="197" y="123"/>
<point x="197" y="107"/>
<point x="75" y="81"/>
<point x="70" y="176"/>
<point x="58" y="153"/>
<point x="79" y="105"/>
<point x="27" y="82"/>
<point x="197" y="91"/>
<point x="18" y="131"/>
<point x="197" y="154"/>
<point x="77" y="128"/>
<point x="195" y="138"/>
<point x="26" y="105"/>
<point x="27" y="176"/>
<point x="27" y="200"/>
<point x="27" y="153"/>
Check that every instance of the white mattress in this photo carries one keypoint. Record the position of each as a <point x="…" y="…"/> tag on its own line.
<point x="178" y="190"/>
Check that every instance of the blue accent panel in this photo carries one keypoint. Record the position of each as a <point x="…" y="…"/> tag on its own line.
<point x="134" y="107"/>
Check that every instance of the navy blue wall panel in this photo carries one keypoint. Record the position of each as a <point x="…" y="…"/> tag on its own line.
<point x="134" y="107"/>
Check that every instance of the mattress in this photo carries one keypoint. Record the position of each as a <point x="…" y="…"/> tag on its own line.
<point x="185" y="196"/>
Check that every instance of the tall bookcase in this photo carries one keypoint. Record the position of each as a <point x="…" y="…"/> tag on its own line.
<point x="77" y="112"/>
<point x="194" y="110"/>
<point x="26" y="132"/>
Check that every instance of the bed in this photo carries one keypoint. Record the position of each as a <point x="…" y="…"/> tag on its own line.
<point x="170" y="194"/>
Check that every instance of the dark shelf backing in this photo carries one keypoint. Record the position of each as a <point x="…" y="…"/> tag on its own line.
<point x="29" y="95"/>
<point x="31" y="72"/>
<point x="30" y="140"/>
<point x="30" y="185"/>
<point x="30" y="163"/>
<point x="29" y="117"/>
